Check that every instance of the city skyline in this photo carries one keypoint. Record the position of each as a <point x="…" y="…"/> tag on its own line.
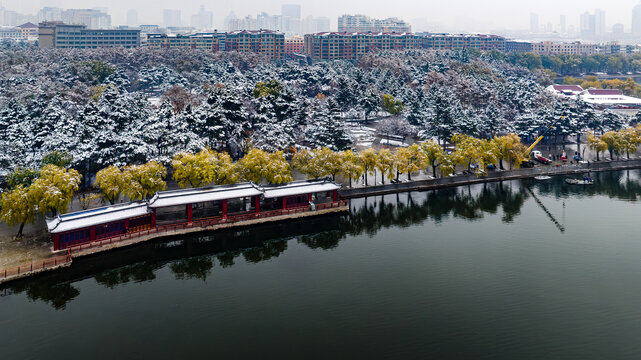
<point x="477" y="17"/>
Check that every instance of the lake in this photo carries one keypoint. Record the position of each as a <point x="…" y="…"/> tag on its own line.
<point x="521" y="269"/>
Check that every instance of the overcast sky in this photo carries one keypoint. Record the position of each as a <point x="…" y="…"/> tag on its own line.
<point x="462" y="15"/>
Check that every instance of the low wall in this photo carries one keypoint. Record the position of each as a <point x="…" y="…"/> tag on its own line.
<point x="493" y="176"/>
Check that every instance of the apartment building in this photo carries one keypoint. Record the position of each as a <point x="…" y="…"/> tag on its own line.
<point x="352" y="46"/>
<point x="60" y="35"/>
<point x="463" y="41"/>
<point x="213" y="42"/>
<point x="266" y="42"/>
<point x="558" y="48"/>
<point x="294" y="45"/>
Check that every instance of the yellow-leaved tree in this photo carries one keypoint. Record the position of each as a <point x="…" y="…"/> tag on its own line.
<point x="257" y="165"/>
<point x="368" y="162"/>
<point x="329" y="161"/>
<point x="145" y="180"/>
<point x="303" y="161"/>
<point x="385" y="164"/>
<point x="352" y="167"/>
<point x="224" y="172"/>
<point x="278" y="169"/>
<point x="53" y="191"/>
<point x="434" y="154"/>
<point x="510" y="149"/>
<point x="629" y="141"/>
<point x="192" y="170"/>
<point x="17" y="208"/>
<point x="468" y="150"/>
<point x="596" y="144"/>
<point x="614" y="143"/>
<point x="111" y="182"/>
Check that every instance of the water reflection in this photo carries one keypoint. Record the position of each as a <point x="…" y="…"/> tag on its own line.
<point x="198" y="257"/>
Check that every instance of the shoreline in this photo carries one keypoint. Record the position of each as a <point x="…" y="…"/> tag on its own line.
<point x="417" y="185"/>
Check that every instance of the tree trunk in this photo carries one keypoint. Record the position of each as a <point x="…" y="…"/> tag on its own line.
<point x="409" y="176"/>
<point x="597" y="156"/>
<point x="434" y="171"/>
<point x="350" y="181"/>
<point x="397" y="174"/>
<point x="501" y="164"/>
<point x="20" y="230"/>
<point x="365" y="177"/>
<point x="383" y="177"/>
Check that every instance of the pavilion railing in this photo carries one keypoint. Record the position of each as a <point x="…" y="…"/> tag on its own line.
<point x="206" y="222"/>
<point x="35" y="266"/>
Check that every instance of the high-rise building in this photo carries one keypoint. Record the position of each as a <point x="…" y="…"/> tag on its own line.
<point x="636" y="20"/>
<point x="171" y="18"/>
<point x="50" y="14"/>
<point x="362" y="23"/>
<point x="202" y="19"/>
<point x="562" y="25"/>
<point x="132" y="17"/>
<point x="587" y="25"/>
<point x="534" y="23"/>
<point x="291" y="10"/>
<point x="92" y="18"/>
<point x="593" y="25"/>
<point x="618" y="30"/>
<point x="599" y="23"/>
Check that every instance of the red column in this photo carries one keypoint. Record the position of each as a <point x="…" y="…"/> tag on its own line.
<point x="190" y="213"/>
<point x="153" y="219"/>
<point x="335" y="195"/>
<point x="309" y="197"/>
<point x="257" y="203"/>
<point x="126" y="226"/>
<point x="92" y="233"/>
<point x="284" y="203"/>
<point x="224" y="209"/>
<point x="56" y="241"/>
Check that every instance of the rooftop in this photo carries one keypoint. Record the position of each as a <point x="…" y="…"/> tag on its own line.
<point x="192" y="196"/>
<point x="103" y="215"/>
<point x="299" y="188"/>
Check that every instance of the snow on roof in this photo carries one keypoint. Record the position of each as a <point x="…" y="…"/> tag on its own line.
<point x="604" y="92"/>
<point x="103" y="215"/>
<point x="610" y="99"/>
<point x="573" y="88"/>
<point x="193" y="196"/>
<point x="299" y="188"/>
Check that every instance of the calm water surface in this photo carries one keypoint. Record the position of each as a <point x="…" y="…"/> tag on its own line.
<point x="511" y="270"/>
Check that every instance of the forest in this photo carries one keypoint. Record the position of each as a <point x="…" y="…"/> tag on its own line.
<point x="122" y="120"/>
<point x="121" y="107"/>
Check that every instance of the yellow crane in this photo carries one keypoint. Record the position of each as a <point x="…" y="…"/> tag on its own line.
<point x="538" y="140"/>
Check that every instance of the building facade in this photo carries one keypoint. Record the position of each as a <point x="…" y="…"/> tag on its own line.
<point x="203" y="41"/>
<point x="352" y="46"/>
<point x="518" y="46"/>
<point x="60" y="35"/>
<point x="559" y="48"/>
<point x="265" y="42"/>
<point x="294" y="45"/>
<point x="362" y="23"/>
<point x="463" y="41"/>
